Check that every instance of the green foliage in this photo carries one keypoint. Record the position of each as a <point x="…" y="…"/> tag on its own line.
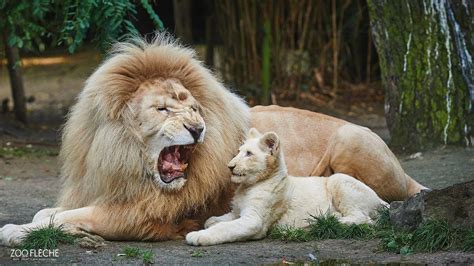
<point x="68" y="22"/>
<point x="134" y="252"/>
<point x="24" y="21"/>
<point x="469" y="241"/>
<point x="47" y="237"/>
<point x="397" y="241"/>
<point x="288" y="233"/>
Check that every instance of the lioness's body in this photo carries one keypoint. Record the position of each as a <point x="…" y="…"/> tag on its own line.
<point x="267" y="195"/>
<point x="112" y="180"/>
<point x="320" y="145"/>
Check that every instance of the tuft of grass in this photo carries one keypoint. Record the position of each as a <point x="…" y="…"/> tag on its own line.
<point x="434" y="235"/>
<point x="131" y="252"/>
<point x="197" y="254"/>
<point x="134" y="252"/>
<point x="288" y="233"/>
<point x="147" y="257"/>
<point x="469" y="241"/>
<point x="382" y="218"/>
<point x="326" y="226"/>
<point x="47" y="237"/>
<point x="358" y="231"/>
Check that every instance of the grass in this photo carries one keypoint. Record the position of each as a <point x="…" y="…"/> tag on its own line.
<point x="197" y="254"/>
<point x="289" y="233"/>
<point x="131" y="252"/>
<point x="432" y="235"/>
<point x="326" y="226"/>
<point x="469" y="241"/>
<point x="10" y="151"/>
<point x="48" y="237"/>
<point x="134" y="252"/>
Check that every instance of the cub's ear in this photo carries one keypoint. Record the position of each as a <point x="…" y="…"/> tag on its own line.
<point x="253" y="133"/>
<point x="270" y="142"/>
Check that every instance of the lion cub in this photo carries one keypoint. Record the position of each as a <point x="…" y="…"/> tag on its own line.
<point x="266" y="195"/>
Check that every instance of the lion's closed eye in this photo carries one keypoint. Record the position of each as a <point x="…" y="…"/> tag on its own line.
<point x="163" y="110"/>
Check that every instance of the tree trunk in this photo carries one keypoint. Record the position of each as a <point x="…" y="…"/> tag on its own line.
<point x="425" y="50"/>
<point x="16" y="80"/>
<point x="182" y="20"/>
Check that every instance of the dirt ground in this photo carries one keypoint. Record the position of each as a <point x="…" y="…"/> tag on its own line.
<point x="29" y="182"/>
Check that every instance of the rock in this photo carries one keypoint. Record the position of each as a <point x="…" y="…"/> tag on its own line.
<point x="454" y="204"/>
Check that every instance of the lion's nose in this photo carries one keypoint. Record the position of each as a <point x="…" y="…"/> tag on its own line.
<point x="195" y="132"/>
<point x="231" y="167"/>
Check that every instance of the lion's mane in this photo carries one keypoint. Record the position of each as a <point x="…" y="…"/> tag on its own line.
<point x="103" y="159"/>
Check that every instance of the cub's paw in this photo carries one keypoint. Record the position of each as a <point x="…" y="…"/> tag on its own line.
<point x="211" y="221"/>
<point x="200" y="238"/>
<point x="11" y="235"/>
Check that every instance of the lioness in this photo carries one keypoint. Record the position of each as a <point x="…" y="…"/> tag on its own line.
<point x="267" y="195"/>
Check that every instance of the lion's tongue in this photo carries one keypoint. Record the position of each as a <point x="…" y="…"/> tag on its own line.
<point x="171" y="166"/>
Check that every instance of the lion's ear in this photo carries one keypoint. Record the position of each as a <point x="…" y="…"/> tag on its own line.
<point x="253" y="133"/>
<point x="270" y="142"/>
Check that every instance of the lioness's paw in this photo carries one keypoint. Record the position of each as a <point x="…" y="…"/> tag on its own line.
<point x="200" y="238"/>
<point x="211" y="221"/>
<point x="11" y="235"/>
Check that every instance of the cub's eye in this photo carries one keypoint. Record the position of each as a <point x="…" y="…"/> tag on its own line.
<point x="248" y="154"/>
<point x="162" y="110"/>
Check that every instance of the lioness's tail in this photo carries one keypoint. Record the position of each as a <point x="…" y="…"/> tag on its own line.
<point x="323" y="168"/>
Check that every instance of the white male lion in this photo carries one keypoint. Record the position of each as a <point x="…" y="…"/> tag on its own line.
<point x="266" y="195"/>
<point x="145" y="148"/>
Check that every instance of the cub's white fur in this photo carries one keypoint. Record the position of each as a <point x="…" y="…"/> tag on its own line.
<point x="267" y="195"/>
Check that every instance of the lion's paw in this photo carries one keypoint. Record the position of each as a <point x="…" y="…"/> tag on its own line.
<point x="11" y="235"/>
<point x="200" y="238"/>
<point x="211" y="221"/>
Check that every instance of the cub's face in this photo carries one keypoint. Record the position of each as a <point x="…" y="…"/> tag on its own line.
<point x="256" y="158"/>
<point x="171" y="124"/>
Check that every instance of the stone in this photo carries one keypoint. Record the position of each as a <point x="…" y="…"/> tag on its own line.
<point x="455" y="204"/>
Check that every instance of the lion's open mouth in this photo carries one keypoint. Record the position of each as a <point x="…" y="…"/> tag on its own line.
<point x="173" y="162"/>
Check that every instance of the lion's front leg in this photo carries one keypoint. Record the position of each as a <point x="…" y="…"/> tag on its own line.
<point x="46" y="213"/>
<point x="76" y="221"/>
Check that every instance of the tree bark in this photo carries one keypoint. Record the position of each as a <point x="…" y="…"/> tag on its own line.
<point x="182" y="20"/>
<point x="16" y="80"/>
<point x="425" y="58"/>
